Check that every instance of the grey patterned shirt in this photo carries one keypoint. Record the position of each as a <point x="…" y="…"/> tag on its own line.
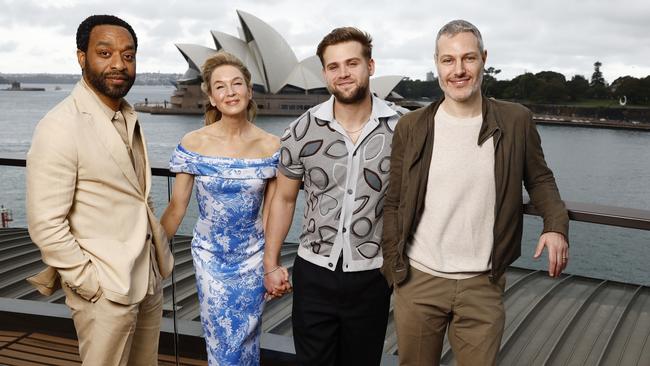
<point x="344" y="184"/>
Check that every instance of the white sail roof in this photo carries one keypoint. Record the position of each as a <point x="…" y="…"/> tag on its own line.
<point x="239" y="48"/>
<point x="381" y="86"/>
<point x="270" y="59"/>
<point x="278" y="59"/>
<point x="305" y="76"/>
<point x="195" y="54"/>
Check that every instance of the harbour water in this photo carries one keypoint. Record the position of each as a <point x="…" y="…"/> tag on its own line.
<point x="609" y="167"/>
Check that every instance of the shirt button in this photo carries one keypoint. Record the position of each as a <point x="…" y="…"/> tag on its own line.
<point x="148" y="236"/>
<point x="330" y="265"/>
<point x="350" y="191"/>
<point x="344" y="229"/>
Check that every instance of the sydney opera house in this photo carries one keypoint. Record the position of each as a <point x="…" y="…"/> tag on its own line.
<point x="282" y="84"/>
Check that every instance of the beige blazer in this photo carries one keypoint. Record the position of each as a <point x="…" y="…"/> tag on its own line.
<point x="86" y="210"/>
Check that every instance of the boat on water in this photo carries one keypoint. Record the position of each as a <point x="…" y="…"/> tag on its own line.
<point x="15" y="86"/>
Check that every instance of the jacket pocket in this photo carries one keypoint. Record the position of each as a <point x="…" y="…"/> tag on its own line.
<point x="88" y="282"/>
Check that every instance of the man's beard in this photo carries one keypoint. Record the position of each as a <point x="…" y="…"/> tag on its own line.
<point x="357" y="96"/>
<point x="98" y="81"/>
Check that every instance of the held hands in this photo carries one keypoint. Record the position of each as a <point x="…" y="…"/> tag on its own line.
<point x="558" y="252"/>
<point x="276" y="282"/>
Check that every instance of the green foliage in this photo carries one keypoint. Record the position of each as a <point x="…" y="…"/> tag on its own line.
<point x="547" y="87"/>
<point x="577" y="88"/>
<point x="489" y="81"/>
<point x="635" y="91"/>
<point x="551" y="76"/>
<point x="416" y="89"/>
<point x="597" y="77"/>
<point x="553" y="91"/>
<point x="522" y="87"/>
<point x="597" y="85"/>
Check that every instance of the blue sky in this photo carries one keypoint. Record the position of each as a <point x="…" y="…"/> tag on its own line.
<point x="563" y="36"/>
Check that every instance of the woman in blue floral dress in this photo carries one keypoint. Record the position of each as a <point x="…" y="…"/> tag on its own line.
<point x="233" y="164"/>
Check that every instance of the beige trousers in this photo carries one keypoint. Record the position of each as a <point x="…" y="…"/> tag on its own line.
<point x="472" y="308"/>
<point x="113" y="334"/>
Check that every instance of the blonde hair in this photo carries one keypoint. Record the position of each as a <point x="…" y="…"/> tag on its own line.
<point x="222" y="58"/>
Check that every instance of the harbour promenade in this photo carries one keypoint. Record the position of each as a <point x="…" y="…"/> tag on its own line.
<point x="589" y="122"/>
<point x="571" y="320"/>
<point x="165" y="108"/>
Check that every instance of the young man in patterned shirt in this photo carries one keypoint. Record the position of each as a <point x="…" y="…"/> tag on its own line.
<point x="341" y="150"/>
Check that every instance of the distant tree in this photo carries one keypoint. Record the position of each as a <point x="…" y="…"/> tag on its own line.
<point x="415" y="89"/>
<point x="577" y="88"/>
<point x="549" y="76"/>
<point x="632" y="89"/>
<point x="645" y="85"/>
<point x="622" y="84"/>
<point x="489" y="81"/>
<point x="597" y="85"/>
<point x="492" y="71"/>
<point x="551" y="87"/>
<point x="499" y="88"/>
<point x="597" y="78"/>
<point x="522" y="87"/>
<point x="552" y="91"/>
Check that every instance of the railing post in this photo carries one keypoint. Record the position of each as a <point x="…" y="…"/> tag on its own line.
<point x="171" y="244"/>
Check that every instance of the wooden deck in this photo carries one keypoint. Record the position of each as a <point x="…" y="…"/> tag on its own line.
<point x="39" y="349"/>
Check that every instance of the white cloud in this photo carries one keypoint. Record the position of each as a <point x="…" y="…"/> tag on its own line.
<point x="558" y="35"/>
<point x="9" y="46"/>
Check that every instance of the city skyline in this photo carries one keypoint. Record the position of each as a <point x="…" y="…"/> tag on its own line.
<point x="566" y="37"/>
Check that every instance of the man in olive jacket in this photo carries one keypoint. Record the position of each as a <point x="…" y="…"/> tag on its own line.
<point x="453" y="211"/>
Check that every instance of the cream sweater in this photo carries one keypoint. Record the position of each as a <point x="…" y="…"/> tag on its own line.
<point x="455" y="235"/>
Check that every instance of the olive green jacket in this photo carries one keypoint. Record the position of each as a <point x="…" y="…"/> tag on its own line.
<point x="518" y="158"/>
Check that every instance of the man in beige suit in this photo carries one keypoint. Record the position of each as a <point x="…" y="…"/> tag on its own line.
<point x="88" y="205"/>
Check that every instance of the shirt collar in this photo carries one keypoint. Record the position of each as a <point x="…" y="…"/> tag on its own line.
<point x="379" y="109"/>
<point x="108" y="111"/>
<point x="127" y="110"/>
<point x="125" y="107"/>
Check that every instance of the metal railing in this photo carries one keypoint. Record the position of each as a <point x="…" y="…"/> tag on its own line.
<point x="277" y="348"/>
<point x="578" y="211"/>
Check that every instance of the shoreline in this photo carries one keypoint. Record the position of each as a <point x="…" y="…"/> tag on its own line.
<point x="545" y="119"/>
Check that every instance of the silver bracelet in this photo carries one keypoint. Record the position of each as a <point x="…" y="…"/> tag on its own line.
<point x="271" y="271"/>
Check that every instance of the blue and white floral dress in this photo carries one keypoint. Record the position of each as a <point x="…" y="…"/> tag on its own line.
<point x="227" y="250"/>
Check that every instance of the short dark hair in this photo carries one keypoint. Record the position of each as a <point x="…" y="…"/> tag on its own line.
<point x="345" y="34"/>
<point x="83" y="32"/>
